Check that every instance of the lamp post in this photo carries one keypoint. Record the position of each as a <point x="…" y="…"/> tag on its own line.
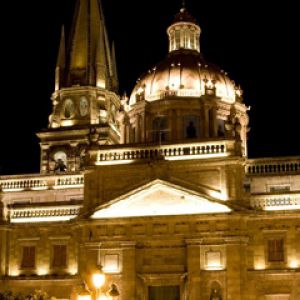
<point x="98" y="279"/>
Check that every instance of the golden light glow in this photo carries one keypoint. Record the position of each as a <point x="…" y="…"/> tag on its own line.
<point x="14" y="272"/>
<point x="101" y="83"/>
<point x="294" y="264"/>
<point x="115" y="162"/>
<point x="157" y="200"/>
<point x="282" y="207"/>
<point x="13" y="190"/>
<point x="183" y="83"/>
<point x="84" y="295"/>
<point x="73" y="269"/>
<point x="43" y="219"/>
<point x="40" y="188"/>
<point x="200" y="156"/>
<point x="260" y="264"/>
<point x="68" y="186"/>
<point x="214" y="268"/>
<point x="67" y="123"/>
<point x="217" y="195"/>
<point x="213" y="260"/>
<point x="98" y="279"/>
<point x="103" y="297"/>
<point x="42" y="270"/>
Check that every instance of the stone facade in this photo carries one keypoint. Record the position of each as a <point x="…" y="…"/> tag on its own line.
<point x="168" y="212"/>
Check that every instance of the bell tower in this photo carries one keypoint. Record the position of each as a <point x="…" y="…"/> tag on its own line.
<point x="85" y="100"/>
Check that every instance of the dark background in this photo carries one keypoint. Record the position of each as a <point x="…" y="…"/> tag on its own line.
<point x="256" y="44"/>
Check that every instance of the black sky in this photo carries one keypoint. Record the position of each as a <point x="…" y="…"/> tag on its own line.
<point x="255" y="43"/>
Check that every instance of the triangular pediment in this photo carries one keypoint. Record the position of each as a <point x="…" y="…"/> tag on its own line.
<point x="159" y="198"/>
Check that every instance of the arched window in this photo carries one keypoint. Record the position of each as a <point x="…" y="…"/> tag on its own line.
<point x="160" y="129"/>
<point x="191" y="127"/>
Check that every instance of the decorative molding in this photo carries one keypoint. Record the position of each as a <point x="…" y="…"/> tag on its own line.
<point x="29" y="239"/>
<point x="65" y="237"/>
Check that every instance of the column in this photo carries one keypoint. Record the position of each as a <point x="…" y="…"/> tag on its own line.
<point x="193" y="269"/>
<point x="206" y="121"/>
<point x="73" y="155"/>
<point x="4" y="248"/>
<point x="179" y="127"/>
<point x="213" y="122"/>
<point x="128" y="271"/>
<point x="173" y="126"/>
<point x="137" y="129"/>
<point x="142" y="126"/>
<point x="236" y="268"/>
<point x="131" y="133"/>
<point x="44" y="159"/>
<point x="122" y="134"/>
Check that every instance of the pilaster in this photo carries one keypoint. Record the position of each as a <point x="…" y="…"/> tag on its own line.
<point x="193" y="269"/>
<point x="129" y="271"/>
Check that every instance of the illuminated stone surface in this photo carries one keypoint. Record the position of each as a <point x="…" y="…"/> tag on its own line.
<point x="158" y="188"/>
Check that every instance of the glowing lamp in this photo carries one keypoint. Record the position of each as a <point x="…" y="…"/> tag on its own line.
<point x="98" y="279"/>
<point x="294" y="264"/>
<point x="259" y="266"/>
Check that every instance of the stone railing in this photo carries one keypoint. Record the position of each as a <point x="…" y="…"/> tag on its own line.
<point x="169" y="152"/>
<point x="68" y="181"/>
<point x="40" y="182"/>
<point x="276" y="202"/>
<point x="23" y="184"/>
<point x="273" y="166"/>
<point x="43" y="214"/>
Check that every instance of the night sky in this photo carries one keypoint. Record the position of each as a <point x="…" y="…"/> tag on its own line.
<point x="256" y="44"/>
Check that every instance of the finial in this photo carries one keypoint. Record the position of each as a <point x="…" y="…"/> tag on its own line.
<point x="183" y="8"/>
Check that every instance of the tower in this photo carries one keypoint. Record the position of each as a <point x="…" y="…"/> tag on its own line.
<point x="85" y="100"/>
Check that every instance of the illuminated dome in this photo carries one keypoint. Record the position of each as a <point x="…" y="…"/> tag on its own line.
<point x="184" y="73"/>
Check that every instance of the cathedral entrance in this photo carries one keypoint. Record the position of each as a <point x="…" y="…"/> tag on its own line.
<point x="164" y="292"/>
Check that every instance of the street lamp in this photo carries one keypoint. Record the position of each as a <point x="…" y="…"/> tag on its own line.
<point x="98" y="279"/>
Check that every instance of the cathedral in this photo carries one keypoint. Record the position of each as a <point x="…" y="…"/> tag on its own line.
<point x="150" y="196"/>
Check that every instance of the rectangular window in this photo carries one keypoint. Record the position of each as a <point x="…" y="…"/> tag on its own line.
<point x="276" y="250"/>
<point x="28" y="257"/>
<point x="59" y="256"/>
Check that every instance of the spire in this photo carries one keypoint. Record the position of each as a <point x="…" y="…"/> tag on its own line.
<point x="114" y="68"/>
<point x="61" y="60"/>
<point x="88" y="36"/>
<point x="183" y="4"/>
<point x="101" y="62"/>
